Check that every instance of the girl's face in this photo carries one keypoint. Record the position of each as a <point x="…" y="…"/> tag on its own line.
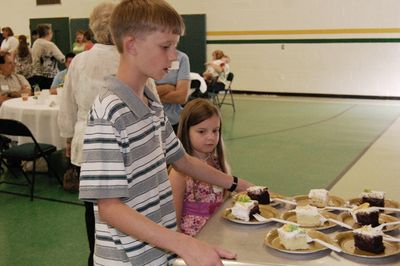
<point x="79" y="37"/>
<point x="204" y="136"/>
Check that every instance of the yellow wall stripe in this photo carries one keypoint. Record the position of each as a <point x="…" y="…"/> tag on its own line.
<point x="311" y="31"/>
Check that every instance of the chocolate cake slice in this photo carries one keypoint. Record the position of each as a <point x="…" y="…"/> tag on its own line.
<point x="369" y="239"/>
<point x="259" y="194"/>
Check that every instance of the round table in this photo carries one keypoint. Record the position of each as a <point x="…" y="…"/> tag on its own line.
<point x="40" y="116"/>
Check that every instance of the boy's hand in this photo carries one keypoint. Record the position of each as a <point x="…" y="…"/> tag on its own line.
<point x="201" y="254"/>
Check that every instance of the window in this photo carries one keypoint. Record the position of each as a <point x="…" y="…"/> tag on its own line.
<point x="47" y="2"/>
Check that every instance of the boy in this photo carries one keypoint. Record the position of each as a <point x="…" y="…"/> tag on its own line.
<point x="128" y="144"/>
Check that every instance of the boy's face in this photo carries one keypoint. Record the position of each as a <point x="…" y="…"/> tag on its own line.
<point x="155" y="53"/>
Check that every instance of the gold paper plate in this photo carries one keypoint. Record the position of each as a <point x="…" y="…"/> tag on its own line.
<point x="291" y="216"/>
<point x="346" y="242"/>
<point x="334" y="201"/>
<point x="272" y="240"/>
<point x="347" y="218"/>
<point x="388" y="203"/>
<point x="265" y="211"/>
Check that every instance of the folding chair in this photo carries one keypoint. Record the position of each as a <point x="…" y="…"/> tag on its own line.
<point x="228" y="90"/>
<point x="24" y="152"/>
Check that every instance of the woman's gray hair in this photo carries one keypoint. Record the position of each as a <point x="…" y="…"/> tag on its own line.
<point x="99" y="22"/>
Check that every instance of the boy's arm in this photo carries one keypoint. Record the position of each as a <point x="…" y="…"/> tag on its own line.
<point x="192" y="166"/>
<point x="178" y="183"/>
<point x="128" y="220"/>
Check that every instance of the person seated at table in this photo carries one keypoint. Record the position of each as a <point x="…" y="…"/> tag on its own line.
<point x="217" y="71"/>
<point x="59" y="79"/>
<point x="11" y="84"/>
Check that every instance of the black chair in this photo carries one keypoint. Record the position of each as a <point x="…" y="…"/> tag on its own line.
<point x="24" y="152"/>
<point x="227" y="90"/>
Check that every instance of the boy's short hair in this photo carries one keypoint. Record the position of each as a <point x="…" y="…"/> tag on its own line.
<point x="138" y="17"/>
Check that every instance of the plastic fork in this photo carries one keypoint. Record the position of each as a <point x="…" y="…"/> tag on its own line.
<point x="260" y="218"/>
<point x="391" y="238"/>
<point x="291" y="202"/>
<point x="389" y="209"/>
<point x="326" y="244"/>
<point x="342" y="224"/>
<point x="380" y="227"/>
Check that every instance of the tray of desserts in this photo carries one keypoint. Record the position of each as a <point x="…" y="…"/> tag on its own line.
<point x="319" y="198"/>
<point x="366" y="242"/>
<point x="294" y="240"/>
<point x="310" y="217"/>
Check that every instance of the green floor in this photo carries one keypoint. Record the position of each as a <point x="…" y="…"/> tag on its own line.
<point x="287" y="144"/>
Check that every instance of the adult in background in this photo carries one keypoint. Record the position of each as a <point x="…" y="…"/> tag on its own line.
<point x="12" y="85"/>
<point x="45" y="56"/>
<point x="79" y="45"/>
<point x="59" y="79"/>
<point x="84" y="80"/>
<point x="174" y="88"/>
<point x="9" y="43"/>
<point x="23" y="59"/>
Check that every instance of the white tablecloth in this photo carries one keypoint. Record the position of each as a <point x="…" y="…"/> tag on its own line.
<point x="39" y="116"/>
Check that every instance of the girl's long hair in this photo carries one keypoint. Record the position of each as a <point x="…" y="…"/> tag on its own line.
<point x="195" y="112"/>
<point x="23" y="47"/>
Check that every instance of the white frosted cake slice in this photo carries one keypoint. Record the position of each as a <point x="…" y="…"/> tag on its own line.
<point x="244" y="208"/>
<point x="319" y="197"/>
<point x="308" y="216"/>
<point x="293" y="237"/>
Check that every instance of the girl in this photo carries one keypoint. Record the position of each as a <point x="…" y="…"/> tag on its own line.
<point x="200" y="133"/>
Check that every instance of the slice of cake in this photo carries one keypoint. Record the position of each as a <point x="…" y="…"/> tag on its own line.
<point x="244" y="208"/>
<point x="308" y="216"/>
<point x="365" y="215"/>
<point x="293" y="237"/>
<point x="369" y="239"/>
<point x="259" y="194"/>
<point x="319" y="197"/>
<point x="374" y="198"/>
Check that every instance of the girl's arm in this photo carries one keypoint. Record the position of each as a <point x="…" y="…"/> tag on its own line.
<point x="178" y="183"/>
<point x="192" y="166"/>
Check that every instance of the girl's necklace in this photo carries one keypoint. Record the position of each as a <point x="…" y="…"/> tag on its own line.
<point x="207" y="158"/>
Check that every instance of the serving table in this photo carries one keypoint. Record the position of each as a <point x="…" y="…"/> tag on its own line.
<point x="247" y="241"/>
<point x="40" y="116"/>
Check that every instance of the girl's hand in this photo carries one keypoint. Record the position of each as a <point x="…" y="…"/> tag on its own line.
<point x="243" y="185"/>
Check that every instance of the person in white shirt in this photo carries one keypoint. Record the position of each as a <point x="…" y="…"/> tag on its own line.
<point x="45" y="55"/>
<point x="9" y="43"/>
